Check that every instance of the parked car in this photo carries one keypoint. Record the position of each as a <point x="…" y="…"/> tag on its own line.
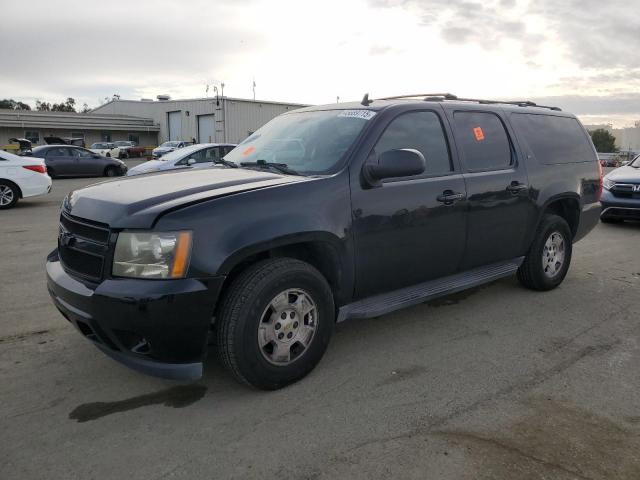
<point x="24" y="145"/>
<point x="105" y="149"/>
<point x="70" y="161"/>
<point x="129" y="149"/>
<point x="167" y="147"/>
<point x="621" y="195"/>
<point x="327" y="213"/>
<point x="21" y="177"/>
<point x="53" y="140"/>
<point x="195" y="156"/>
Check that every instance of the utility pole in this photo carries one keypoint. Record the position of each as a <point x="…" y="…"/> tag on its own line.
<point x="254" y="88"/>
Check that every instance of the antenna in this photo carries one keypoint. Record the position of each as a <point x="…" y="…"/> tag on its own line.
<point x="365" y="100"/>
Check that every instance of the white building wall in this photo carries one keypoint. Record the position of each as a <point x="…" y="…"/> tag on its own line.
<point x="234" y="118"/>
<point x="627" y="138"/>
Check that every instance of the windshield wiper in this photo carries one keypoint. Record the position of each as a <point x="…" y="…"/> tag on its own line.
<point x="226" y="163"/>
<point x="280" y="167"/>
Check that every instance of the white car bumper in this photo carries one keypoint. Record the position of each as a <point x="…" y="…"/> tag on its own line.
<point x="35" y="185"/>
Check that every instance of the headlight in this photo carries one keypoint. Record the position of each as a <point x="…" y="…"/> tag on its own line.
<point x="152" y="254"/>
<point x="608" y="184"/>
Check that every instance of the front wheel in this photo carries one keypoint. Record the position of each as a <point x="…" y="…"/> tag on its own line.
<point x="110" y="172"/>
<point x="549" y="257"/>
<point x="9" y="195"/>
<point x="275" y="323"/>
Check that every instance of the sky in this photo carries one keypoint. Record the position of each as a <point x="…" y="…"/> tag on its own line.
<point x="582" y="55"/>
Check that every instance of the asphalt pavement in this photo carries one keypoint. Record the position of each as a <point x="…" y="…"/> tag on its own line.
<point x="494" y="383"/>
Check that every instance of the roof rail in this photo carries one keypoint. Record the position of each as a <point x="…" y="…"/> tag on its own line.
<point x="438" y="97"/>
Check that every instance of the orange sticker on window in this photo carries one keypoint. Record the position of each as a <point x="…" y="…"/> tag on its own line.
<point x="248" y="151"/>
<point x="477" y="131"/>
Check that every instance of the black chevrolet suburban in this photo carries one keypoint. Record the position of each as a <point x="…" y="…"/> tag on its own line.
<point x="326" y="213"/>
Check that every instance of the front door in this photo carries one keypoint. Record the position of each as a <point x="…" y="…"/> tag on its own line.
<point x="410" y="230"/>
<point x="500" y="207"/>
<point x="87" y="164"/>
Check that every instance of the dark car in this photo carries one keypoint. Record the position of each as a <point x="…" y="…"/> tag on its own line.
<point x="71" y="161"/>
<point x="621" y="195"/>
<point x="327" y="213"/>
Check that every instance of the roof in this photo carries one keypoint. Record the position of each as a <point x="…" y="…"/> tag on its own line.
<point x="71" y="120"/>
<point x="200" y="99"/>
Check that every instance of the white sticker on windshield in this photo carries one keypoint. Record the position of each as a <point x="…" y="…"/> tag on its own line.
<point x="363" y="114"/>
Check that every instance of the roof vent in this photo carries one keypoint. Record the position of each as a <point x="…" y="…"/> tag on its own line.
<point x="163" y="98"/>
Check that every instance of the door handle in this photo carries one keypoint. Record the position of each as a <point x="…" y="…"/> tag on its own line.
<point x="449" y="196"/>
<point x="517" y="187"/>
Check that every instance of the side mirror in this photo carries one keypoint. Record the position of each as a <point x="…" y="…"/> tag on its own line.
<point x="404" y="162"/>
<point x="191" y="161"/>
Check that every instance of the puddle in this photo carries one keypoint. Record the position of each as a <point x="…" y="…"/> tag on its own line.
<point x="554" y="442"/>
<point x="175" y="397"/>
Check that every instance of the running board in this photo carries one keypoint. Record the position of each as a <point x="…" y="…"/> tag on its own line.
<point x="384" y="303"/>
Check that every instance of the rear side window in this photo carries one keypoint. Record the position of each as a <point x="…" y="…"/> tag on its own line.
<point x="553" y="139"/>
<point x="421" y="131"/>
<point x="483" y="140"/>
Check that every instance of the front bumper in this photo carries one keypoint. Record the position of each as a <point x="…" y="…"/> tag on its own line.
<point x="619" y="207"/>
<point x="157" y="327"/>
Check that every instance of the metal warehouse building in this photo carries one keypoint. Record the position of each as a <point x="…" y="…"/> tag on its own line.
<point x="217" y="119"/>
<point x="91" y="127"/>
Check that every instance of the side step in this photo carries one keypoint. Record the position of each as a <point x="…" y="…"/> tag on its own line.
<point x="405" y="297"/>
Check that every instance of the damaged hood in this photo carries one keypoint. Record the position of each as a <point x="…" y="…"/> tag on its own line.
<point x="136" y="202"/>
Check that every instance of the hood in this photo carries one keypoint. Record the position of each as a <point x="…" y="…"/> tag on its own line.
<point x="147" y="167"/>
<point x="164" y="149"/>
<point x="625" y="174"/>
<point x="136" y="202"/>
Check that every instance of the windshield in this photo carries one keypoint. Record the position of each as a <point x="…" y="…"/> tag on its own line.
<point x="635" y="162"/>
<point x="311" y="143"/>
<point x="179" y="154"/>
<point x="170" y="144"/>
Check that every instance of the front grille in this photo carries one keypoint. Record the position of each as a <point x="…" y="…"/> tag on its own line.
<point x="625" y="190"/>
<point x="82" y="246"/>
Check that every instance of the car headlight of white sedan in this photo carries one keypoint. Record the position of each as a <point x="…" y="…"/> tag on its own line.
<point x="152" y="254"/>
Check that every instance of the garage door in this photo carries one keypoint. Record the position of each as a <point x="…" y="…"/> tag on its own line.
<point x="206" y="129"/>
<point x="175" y="125"/>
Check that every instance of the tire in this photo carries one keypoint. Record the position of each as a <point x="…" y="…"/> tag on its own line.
<point x="110" y="172"/>
<point x="247" y="316"/>
<point x="542" y="269"/>
<point x="108" y="155"/>
<point x="9" y="194"/>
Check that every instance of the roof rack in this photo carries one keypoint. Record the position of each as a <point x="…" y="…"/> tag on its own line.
<point x="438" y="97"/>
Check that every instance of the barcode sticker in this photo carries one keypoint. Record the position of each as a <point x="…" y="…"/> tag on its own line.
<point x="363" y="114"/>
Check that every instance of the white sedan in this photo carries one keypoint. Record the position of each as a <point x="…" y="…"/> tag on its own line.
<point x="106" y="149"/>
<point x="201" y="155"/>
<point x="21" y="177"/>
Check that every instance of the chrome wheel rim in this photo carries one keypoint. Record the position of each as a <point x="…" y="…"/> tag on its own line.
<point x="6" y="195"/>
<point x="553" y="254"/>
<point x="287" y="327"/>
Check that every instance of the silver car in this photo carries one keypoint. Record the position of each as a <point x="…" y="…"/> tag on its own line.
<point x="196" y="156"/>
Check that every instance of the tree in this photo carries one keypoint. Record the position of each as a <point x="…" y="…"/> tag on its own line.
<point x="68" y="106"/>
<point x="603" y="141"/>
<point x="43" y="106"/>
<point x="12" y="104"/>
<point x="85" y="108"/>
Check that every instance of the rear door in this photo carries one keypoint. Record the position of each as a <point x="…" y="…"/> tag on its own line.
<point x="410" y="229"/>
<point x="498" y="195"/>
<point x="61" y="160"/>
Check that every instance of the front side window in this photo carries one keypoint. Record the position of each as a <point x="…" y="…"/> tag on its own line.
<point x="58" y="152"/>
<point x="32" y="136"/>
<point x="422" y="131"/>
<point x="83" y="154"/>
<point x="311" y="143"/>
<point x="483" y="140"/>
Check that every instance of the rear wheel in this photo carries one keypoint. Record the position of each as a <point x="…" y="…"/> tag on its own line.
<point x="275" y="323"/>
<point x="547" y="262"/>
<point x="9" y="194"/>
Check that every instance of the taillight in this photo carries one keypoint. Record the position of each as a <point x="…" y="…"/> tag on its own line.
<point x="601" y="171"/>
<point x="36" y="168"/>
